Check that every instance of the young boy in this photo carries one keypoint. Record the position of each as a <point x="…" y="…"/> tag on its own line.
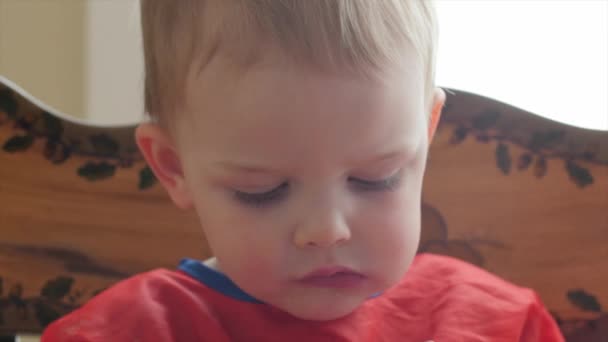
<point x="298" y="130"/>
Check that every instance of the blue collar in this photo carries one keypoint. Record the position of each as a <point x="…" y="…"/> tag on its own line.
<point x="215" y="280"/>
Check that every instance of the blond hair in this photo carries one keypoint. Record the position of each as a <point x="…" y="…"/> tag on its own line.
<point x="361" y="35"/>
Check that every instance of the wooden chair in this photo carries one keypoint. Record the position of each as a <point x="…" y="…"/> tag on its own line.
<point x="519" y="195"/>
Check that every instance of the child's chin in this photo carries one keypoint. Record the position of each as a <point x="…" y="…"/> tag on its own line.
<point x="323" y="312"/>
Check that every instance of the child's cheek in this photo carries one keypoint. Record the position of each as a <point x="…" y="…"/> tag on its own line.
<point x="256" y="261"/>
<point x="392" y="237"/>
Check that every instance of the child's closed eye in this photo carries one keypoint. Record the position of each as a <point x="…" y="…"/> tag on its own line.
<point x="259" y="199"/>
<point x="386" y="184"/>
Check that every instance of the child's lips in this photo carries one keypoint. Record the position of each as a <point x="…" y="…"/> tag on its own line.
<point x="333" y="277"/>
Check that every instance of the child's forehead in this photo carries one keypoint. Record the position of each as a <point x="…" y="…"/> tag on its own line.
<point x="271" y="65"/>
<point x="281" y="108"/>
<point x="278" y="79"/>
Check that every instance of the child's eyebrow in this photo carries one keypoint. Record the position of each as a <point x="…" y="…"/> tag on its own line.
<point x="251" y="168"/>
<point x="406" y="151"/>
<point x="246" y="168"/>
<point x="397" y="154"/>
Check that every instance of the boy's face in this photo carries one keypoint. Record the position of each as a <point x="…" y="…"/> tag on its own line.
<point x="293" y="171"/>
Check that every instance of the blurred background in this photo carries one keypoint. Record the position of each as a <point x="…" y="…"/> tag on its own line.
<point x="549" y="57"/>
<point x="81" y="58"/>
<point x="76" y="201"/>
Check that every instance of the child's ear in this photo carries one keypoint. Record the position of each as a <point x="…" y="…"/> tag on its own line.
<point x="435" y="115"/>
<point x="159" y="151"/>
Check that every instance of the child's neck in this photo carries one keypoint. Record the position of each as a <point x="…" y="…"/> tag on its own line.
<point x="212" y="264"/>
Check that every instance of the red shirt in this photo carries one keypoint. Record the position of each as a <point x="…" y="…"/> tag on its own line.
<point x="440" y="298"/>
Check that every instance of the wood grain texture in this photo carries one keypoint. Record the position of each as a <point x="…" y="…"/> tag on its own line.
<point x="519" y="195"/>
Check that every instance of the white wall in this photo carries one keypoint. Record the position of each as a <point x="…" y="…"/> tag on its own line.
<point x="114" y="62"/>
<point x="41" y="49"/>
<point x="549" y="57"/>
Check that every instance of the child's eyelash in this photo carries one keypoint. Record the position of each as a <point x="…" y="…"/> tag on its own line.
<point x="262" y="198"/>
<point x="386" y="184"/>
<point x="275" y="195"/>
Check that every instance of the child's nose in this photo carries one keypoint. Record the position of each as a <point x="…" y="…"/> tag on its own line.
<point x="323" y="231"/>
